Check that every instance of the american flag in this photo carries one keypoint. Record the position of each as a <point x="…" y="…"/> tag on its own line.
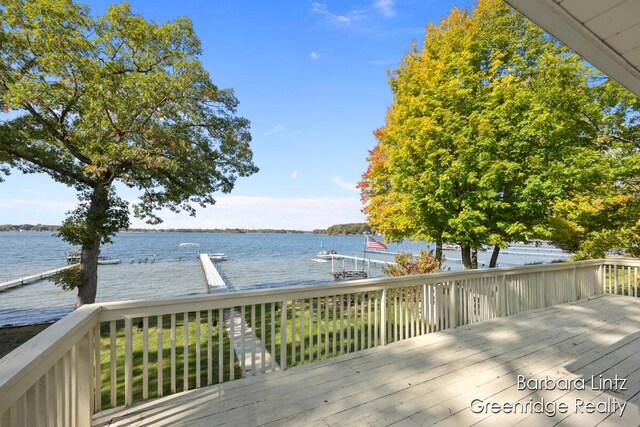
<point x="375" y="244"/>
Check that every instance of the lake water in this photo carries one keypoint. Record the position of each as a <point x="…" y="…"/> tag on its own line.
<point x="255" y="261"/>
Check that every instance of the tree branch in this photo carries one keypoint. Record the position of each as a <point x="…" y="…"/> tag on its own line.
<point x="72" y="149"/>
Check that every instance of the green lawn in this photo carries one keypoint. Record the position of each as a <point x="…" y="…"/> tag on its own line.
<point x="166" y="357"/>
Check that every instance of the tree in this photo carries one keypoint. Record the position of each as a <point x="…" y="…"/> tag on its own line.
<point x="114" y="98"/>
<point x="484" y="119"/>
<point x="603" y="210"/>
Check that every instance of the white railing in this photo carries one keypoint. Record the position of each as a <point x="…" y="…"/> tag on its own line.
<point x="116" y="354"/>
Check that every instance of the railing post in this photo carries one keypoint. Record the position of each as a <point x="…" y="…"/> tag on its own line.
<point x="601" y="277"/>
<point x="542" y="291"/>
<point x="283" y="334"/>
<point x="453" y="305"/>
<point x="502" y="296"/>
<point x="84" y="380"/>
<point x="574" y="285"/>
<point x="383" y="317"/>
<point x="128" y="362"/>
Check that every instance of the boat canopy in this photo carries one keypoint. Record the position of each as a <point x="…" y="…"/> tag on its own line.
<point x="189" y="245"/>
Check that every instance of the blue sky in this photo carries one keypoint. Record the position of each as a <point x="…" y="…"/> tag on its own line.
<point x="312" y="79"/>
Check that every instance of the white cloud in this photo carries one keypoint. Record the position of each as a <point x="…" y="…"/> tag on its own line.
<point x="344" y="184"/>
<point x="268" y="212"/>
<point x="385" y="7"/>
<point x="342" y="20"/>
<point x="278" y="128"/>
<point x="300" y="213"/>
<point x="294" y="174"/>
<point x="314" y="55"/>
<point x="30" y="211"/>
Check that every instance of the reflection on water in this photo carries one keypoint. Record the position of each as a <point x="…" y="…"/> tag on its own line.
<point x="255" y="261"/>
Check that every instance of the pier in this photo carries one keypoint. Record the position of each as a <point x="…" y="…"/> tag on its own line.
<point x="214" y="281"/>
<point x="30" y="279"/>
<point x="355" y="273"/>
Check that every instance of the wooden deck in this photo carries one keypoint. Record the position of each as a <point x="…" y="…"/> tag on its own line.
<point x="433" y="379"/>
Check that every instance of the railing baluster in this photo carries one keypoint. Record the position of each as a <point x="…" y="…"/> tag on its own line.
<point x="362" y="320"/>
<point x="112" y="358"/>
<point x="185" y="352"/>
<point x="220" y="319"/>
<point x="97" y="392"/>
<point x="403" y="308"/>
<point x="253" y="339"/>
<point x="128" y="361"/>
<point x="173" y="353"/>
<point x="319" y="328"/>
<point x="198" y="345"/>
<point x="60" y="392"/>
<point x="311" y="331"/>
<point x="73" y="377"/>
<point x="355" y="321"/>
<point x="375" y="319"/>
<point x="294" y="308"/>
<point x="349" y="301"/>
<point x="160" y="361"/>
<point x="145" y="358"/>
<point x="243" y="344"/>
<point x="369" y="320"/>
<point x="273" y="336"/>
<point x="342" y="301"/>
<point x="209" y="347"/>
<point x="263" y="339"/>
<point x="394" y="317"/>
<point x="302" y="330"/>
<point x="333" y="326"/>
<point x="326" y="327"/>
<point x="232" y="333"/>
<point x="283" y="334"/>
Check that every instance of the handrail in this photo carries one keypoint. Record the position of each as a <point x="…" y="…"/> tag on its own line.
<point x="60" y="374"/>
<point x="29" y="363"/>
<point x="324" y="288"/>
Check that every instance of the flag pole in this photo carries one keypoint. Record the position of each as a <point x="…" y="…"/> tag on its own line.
<point x="364" y="253"/>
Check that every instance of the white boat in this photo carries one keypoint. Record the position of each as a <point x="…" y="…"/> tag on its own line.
<point x="74" y="258"/>
<point x="108" y="261"/>
<point x="218" y="256"/>
<point x="326" y="255"/>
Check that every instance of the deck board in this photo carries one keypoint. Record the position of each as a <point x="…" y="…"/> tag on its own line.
<point x="432" y="379"/>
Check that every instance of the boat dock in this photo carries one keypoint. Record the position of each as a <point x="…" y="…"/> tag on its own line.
<point x="214" y="281"/>
<point x="30" y="279"/>
<point x="361" y="259"/>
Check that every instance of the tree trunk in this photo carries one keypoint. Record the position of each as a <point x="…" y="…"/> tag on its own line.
<point x="466" y="257"/>
<point x="474" y="259"/>
<point x="98" y="206"/>
<point x="439" y="251"/>
<point x="494" y="256"/>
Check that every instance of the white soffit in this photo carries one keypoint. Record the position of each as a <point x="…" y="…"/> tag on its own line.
<point x="604" y="32"/>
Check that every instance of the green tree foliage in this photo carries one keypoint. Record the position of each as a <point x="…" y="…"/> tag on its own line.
<point x="603" y="210"/>
<point x="479" y="139"/>
<point x="406" y="264"/>
<point x="357" y="228"/>
<point x="114" y="98"/>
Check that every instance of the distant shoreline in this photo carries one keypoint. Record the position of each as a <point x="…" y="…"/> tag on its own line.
<point x="54" y="228"/>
